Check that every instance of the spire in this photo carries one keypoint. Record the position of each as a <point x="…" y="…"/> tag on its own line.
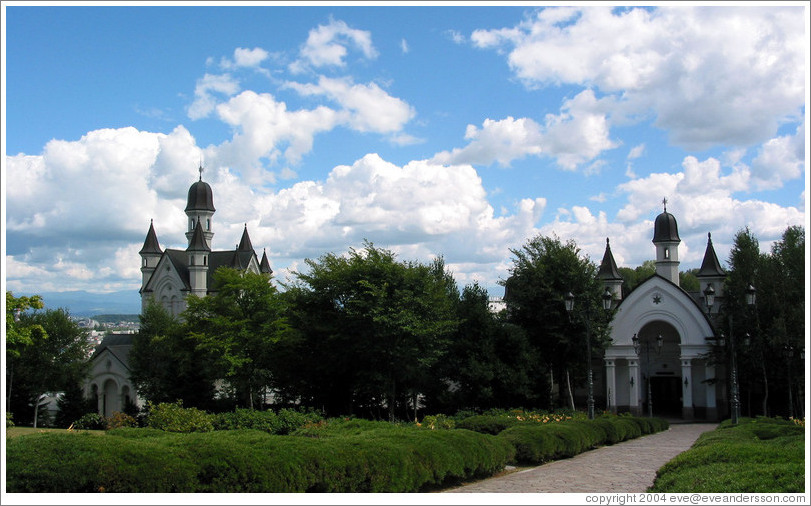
<point x="245" y="242"/>
<point x="151" y="243"/>
<point x="608" y="267"/>
<point x="664" y="204"/>
<point x="264" y="265"/>
<point x="710" y="267"/>
<point x="198" y="241"/>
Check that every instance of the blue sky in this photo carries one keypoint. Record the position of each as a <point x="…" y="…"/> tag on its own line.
<point x="456" y="130"/>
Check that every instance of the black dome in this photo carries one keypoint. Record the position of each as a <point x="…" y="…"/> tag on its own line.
<point x="200" y="197"/>
<point x="665" y="228"/>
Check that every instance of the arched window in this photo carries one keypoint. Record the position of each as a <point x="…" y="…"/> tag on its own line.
<point x="208" y="224"/>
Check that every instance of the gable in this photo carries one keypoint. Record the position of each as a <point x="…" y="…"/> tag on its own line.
<point x="659" y="299"/>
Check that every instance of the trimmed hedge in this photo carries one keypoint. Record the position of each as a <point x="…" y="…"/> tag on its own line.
<point x="390" y="459"/>
<point x="762" y="455"/>
<point x="539" y="443"/>
<point x="487" y="424"/>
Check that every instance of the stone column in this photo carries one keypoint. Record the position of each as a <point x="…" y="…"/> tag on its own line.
<point x="712" y="409"/>
<point x="634" y="385"/>
<point x="611" y="385"/>
<point x="687" y="411"/>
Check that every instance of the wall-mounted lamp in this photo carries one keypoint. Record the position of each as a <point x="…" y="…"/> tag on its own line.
<point x="685" y="381"/>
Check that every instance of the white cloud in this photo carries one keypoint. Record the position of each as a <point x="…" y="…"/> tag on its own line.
<point x="779" y="159"/>
<point x="249" y="57"/>
<point x="327" y="46"/>
<point x="370" y="108"/>
<point x="204" y="99"/>
<point x="404" y="46"/>
<point x="499" y="141"/>
<point x="674" y="62"/>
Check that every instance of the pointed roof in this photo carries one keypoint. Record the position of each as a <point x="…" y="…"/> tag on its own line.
<point x="245" y="242"/>
<point x="236" y="262"/>
<point x="710" y="267"/>
<point x="151" y="243"/>
<point x="608" y="267"/>
<point x="198" y="241"/>
<point x="665" y="228"/>
<point x="264" y="265"/>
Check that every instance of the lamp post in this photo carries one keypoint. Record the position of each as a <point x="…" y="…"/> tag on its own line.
<point x="568" y="301"/>
<point x="636" y="341"/>
<point x="709" y="299"/>
<point x="789" y="349"/>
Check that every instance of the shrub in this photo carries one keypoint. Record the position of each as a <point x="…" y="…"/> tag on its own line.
<point x="437" y="422"/>
<point x="118" y="420"/>
<point x="176" y="418"/>
<point x="90" y="421"/>
<point x="386" y="458"/>
<point x="757" y="456"/>
<point x="487" y="424"/>
<point x="9" y="420"/>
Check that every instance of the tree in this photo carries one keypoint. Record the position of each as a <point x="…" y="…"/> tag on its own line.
<point x="52" y="364"/>
<point x="368" y="329"/>
<point x="487" y="362"/>
<point x="236" y="328"/>
<point x="543" y="271"/>
<point x="18" y="335"/>
<point x="165" y="365"/>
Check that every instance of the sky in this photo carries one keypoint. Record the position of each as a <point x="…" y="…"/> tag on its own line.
<point x="449" y="130"/>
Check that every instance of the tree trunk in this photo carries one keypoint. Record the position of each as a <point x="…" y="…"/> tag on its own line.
<point x="569" y="389"/>
<point x="10" y="380"/>
<point x="765" y="389"/>
<point x="36" y="410"/>
<point x="551" y="388"/>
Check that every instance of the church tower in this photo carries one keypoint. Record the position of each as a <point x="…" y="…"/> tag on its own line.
<point x="198" y="253"/>
<point x="711" y="274"/>
<point x="200" y="209"/>
<point x="609" y="275"/>
<point x="666" y="239"/>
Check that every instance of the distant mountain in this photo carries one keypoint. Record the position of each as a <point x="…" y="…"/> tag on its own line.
<point x="81" y="303"/>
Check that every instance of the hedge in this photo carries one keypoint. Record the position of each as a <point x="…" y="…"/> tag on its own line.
<point x="760" y="455"/>
<point x="391" y="459"/>
<point x="539" y="443"/>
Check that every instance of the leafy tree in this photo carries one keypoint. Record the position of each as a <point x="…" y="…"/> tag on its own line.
<point x="368" y="329"/>
<point x="544" y="270"/>
<point x="19" y="335"/>
<point x="235" y="328"/>
<point x="165" y="365"/>
<point x="52" y="364"/>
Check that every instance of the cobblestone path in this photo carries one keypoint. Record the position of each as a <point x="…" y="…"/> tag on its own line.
<point x="624" y="467"/>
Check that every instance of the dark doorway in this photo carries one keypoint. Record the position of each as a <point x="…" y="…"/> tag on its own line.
<point x="666" y="394"/>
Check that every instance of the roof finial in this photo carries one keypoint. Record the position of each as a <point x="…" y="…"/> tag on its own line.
<point x="664" y="203"/>
<point x="201" y="170"/>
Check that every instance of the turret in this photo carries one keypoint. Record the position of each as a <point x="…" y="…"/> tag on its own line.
<point x="264" y="265"/>
<point x="609" y="274"/>
<point x="200" y="209"/>
<point x="711" y="274"/>
<point x="150" y="255"/>
<point x="198" y="252"/>
<point x="666" y="239"/>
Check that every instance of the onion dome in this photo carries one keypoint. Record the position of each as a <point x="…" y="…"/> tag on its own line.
<point x="665" y="228"/>
<point x="200" y="196"/>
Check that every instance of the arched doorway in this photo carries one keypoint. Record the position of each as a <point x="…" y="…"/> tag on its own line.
<point x="110" y="398"/>
<point x="661" y="366"/>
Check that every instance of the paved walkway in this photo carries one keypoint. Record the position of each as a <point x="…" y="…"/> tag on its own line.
<point x="624" y="467"/>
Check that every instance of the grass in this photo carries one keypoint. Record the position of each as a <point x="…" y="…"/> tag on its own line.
<point x="12" y="432"/>
<point x="758" y="455"/>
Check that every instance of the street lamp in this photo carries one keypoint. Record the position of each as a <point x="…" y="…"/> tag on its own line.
<point x="636" y="341"/>
<point x="568" y="301"/>
<point x="750" y="297"/>
<point x="789" y="349"/>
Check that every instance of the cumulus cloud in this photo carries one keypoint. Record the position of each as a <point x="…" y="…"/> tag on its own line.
<point x="672" y="62"/>
<point x="369" y="108"/>
<point x="204" y="98"/>
<point x="779" y="159"/>
<point x="577" y="135"/>
<point x="327" y="46"/>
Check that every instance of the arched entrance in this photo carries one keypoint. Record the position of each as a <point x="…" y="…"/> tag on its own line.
<point x="110" y="399"/>
<point x="661" y="366"/>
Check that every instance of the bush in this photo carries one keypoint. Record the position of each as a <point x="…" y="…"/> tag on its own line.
<point x="90" y="421"/>
<point x="9" y="420"/>
<point x="118" y="420"/>
<point x="176" y="418"/>
<point x="282" y="423"/>
<point x="756" y="456"/>
<point x="386" y="458"/>
<point x="437" y="422"/>
<point x="487" y="424"/>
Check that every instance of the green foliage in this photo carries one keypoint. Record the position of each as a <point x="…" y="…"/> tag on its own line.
<point x="175" y="418"/>
<point x="9" y="420"/>
<point x="20" y="335"/>
<point x="90" y="421"/>
<point x="440" y="421"/>
<point x="281" y="423"/>
<point x="385" y="458"/>
<point x="487" y="424"/>
<point x="757" y="456"/>
<point x="536" y="443"/>
<point x="236" y="328"/>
